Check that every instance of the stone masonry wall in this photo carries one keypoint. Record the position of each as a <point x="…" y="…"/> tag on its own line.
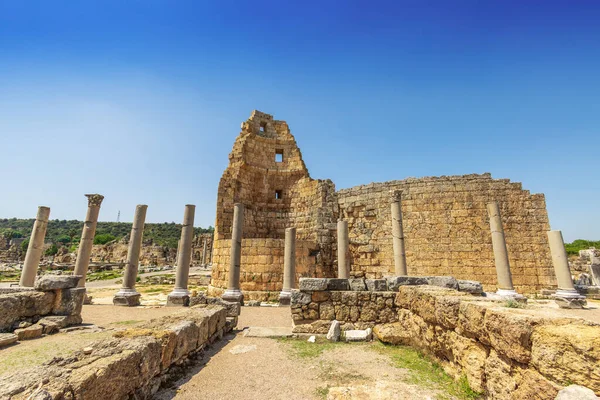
<point x="505" y="352"/>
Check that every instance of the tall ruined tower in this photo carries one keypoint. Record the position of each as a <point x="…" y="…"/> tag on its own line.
<point x="266" y="173"/>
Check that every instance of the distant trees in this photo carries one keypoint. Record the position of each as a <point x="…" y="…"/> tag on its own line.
<point x="580" y="244"/>
<point x="103" y="238"/>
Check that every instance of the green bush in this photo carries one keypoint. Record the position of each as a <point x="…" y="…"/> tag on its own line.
<point x="104" y="238"/>
<point x="580" y="244"/>
<point x="63" y="239"/>
<point x="52" y="250"/>
<point x="24" y="245"/>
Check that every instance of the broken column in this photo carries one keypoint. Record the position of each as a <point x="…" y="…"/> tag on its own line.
<point x="180" y="296"/>
<point x="87" y="237"/>
<point x="128" y="296"/>
<point x="289" y="266"/>
<point x="566" y="296"/>
<point x="342" y="250"/>
<point x="233" y="292"/>
<point x="35" y="248"/>
<point x="204" y="252"/>
<point x="398" y="234"/>
<point x="505" y="285"/>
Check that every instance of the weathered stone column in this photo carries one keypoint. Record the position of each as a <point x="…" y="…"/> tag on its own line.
<point x="180" y="296"/>
<point x="204" y="252"/>
<point x="233" y="292"/>
<point x="505" y="285"/>
<point x="87" y="237"/>
<point x="35" y="248"/>
<point x="128" y="296"/>
<point x="398" y="234"/>
<point x="342" y="250"/>
<point x="289" y="267"/>
<point x="566" y="296"/>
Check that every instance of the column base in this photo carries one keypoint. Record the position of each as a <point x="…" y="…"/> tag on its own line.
<point x="569" y="298"/>
<point x="127" y="297"/>
<point x="233" y="295"/>
<point x="178" y="298"/>
<point x="285" y="298"/>
<point x="507" y="294"/>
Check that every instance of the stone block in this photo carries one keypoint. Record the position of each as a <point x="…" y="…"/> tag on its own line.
<point x="337" y="284"/>
<point x="312" y="284"/>
<point x="32" y="332"/>
<point x="7" y="339"/>
<point x="68" y="301"/>
<point x="334" y="332"/>
<point x="472" y="287"/>
<point x="357" y="285"/>
<point x="376" y="285"/>
<point x="443" y="281"/>
<point x="128" y="300"/>
<point x="357" y="335"/>
<point x="576" y="392"/>
<point x="395" y="282"/>
<point x="56" y="282"/>
<point x="570" y="302"/>
<point x="178" y="301"/>
<point x="200" y="298"/>
<point x="301" y="298"/>
<point x="16" y="306"/>
<point x="233" y="308"/>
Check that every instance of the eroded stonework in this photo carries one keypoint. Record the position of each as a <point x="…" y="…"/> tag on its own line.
<point x="445" y="222"/>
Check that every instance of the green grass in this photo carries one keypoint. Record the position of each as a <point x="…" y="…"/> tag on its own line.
<point x="300" y="348"/>
<point x="322" y="392"/>
<point x="103" y="275"/>
<point x="10" y="276"/>
<point x="427" y="373"/>
<point x="510" y="303"/>
<point x="128" y="322"/>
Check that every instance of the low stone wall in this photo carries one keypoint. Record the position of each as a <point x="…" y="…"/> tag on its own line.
<point x="132" y="364"/>
<point x="53" y="303"/>
<point x="508" y="353"/>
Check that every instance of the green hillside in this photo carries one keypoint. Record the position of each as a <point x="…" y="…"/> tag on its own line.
<point x="69" y="232"/>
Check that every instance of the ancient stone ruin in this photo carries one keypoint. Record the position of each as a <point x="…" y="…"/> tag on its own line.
<point x="445" y="221"/>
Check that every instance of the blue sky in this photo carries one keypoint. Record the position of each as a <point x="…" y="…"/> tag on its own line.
<point x="142" y="100"/>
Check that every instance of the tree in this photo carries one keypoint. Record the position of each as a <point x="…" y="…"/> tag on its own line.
<point x="52" y="250"/>
<point x="24" y="245"/>
<point x="103" y="238"/>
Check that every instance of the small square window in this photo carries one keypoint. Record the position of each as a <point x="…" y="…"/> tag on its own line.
<point x="278" y="155"/>
<point x="263" y="127"/>
<point x="278" y="194"/>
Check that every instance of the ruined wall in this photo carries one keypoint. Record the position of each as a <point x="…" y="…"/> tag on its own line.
<point x="446" y="229"/>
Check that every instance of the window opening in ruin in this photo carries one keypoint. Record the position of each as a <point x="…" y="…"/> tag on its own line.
<point x="263" y="127"/>
<point x="278" y="155"/>
<point x="279" y="194"/>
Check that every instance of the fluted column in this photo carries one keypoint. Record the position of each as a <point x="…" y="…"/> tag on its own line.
<point x="289" y="266"/>
<point x="342" y="250"/>
<point x="566" y="296"/>
<point x="398" y="234"/>
<point x="35" y="248"/>
<point x="505" y="285"/>
<point x="128" y="296"/>
<point x="233" y="292"/>
<point x="87" y="237"/>
<point x="180" y="294"/>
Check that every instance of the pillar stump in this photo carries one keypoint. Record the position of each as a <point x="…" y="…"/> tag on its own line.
<point x="505" y="284"/>
<point x="127" y="295"/>
<point x="82" y="262"/>
<point x="398" y="234"/>
<point x="180" y="296"/>
<point x="566" y="296"/>
<point x="35" y="248"/>
<point x="342" y="250"/>
<point x="289" y="267"/>
<point x="233" y="292"/>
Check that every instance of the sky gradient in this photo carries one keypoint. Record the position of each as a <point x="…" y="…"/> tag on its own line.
<point x="141" y="101"/>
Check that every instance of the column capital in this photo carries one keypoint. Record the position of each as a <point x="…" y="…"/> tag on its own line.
<point x="395" y="195"/>
<point x="94" y="199"/>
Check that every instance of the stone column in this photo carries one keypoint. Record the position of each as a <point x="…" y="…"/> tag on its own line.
<point x="204" y="252"/>
<point x="566" y="296"/>
<point x="289" y="267"/>
<point x="35" y="248"/>
<point x="128" y="296"/>
<point x="87" y="237"/>
<point x="233" y="292"/>
<point x="398" y="234"/>
<point x="505" y="285"/>
<point x="342" y="249"/>
<point x="180" y="296"/>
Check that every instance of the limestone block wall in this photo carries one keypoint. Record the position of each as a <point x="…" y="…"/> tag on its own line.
<point x="505" y="352"/>
<point x="132" y="364"/>
<point x="446" y="229"/>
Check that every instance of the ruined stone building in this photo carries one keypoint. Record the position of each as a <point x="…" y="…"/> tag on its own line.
<point x="446" y="225"/>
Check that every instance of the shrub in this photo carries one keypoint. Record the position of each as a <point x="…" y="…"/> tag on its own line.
<point x="104" y="238"/>
<point x="52" y="250"/>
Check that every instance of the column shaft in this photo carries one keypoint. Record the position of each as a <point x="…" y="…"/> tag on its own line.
<point x="35" y="248"/>
<point x="135" y="246"/>
<point x="204" y="252"/>
<point x="289" y="266"/>
<point x="233" y="292"/>
<point x="400" y="268"/>
<point x="342" y="250"/>
<point x="87" y="237"/>
<point x="499" y="246"/>
<point x="560" y="261"/>
<point x="185" y="250"/>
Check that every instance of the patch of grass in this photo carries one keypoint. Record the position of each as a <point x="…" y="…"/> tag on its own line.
<point x="128" y="322"/>
<point x="103" y="275"/>
<point x="425" y="372"/>
<point x="510" y="303"/>
<point x="322" y="392"/>
<point x="303" y="349"/>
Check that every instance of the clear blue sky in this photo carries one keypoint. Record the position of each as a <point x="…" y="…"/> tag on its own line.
<point x="142" y="100"/>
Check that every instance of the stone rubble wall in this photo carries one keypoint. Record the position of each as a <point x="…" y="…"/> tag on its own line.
<point x="446" y="229"/>
<point x="505" y="352"/>
<point x="132" y="364"/>
<point x="55" y="302"/>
